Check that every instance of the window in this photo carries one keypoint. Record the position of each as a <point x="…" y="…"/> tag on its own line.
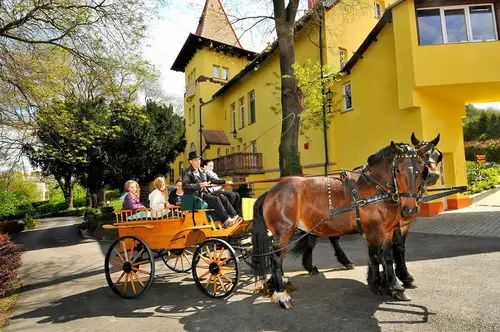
<point x="225" y="73"/>
<point x="254" y="146"/>
<point x="233" y="116"/>
<point x="242" y="112"/>
<point x="377" y="7"/>
<point x="215" y="71"/>
<point x="456" y="24"/>
<point x="193" y="114"/>
<point x="347" y="97"/>
<point x="192" y="147"/>
<point x="171" y="176"/>
<point x="181" y="168"/>
<point x="232" y="149"/>
<point x="218" y="152"/>
<point x="227" y="151"/>
<point x="343" y="57"/>
<point x="251" y="190"/>
<point x="251" y="106"/>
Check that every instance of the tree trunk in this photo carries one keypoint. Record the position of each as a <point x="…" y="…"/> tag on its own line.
<point x="290" y="94"/>
<point x="66" y="186"/>
<point x="97" y="197"/>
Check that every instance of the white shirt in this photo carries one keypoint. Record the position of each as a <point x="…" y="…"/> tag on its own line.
<point x="214" y="175"/>
<point x="157" y="204"/>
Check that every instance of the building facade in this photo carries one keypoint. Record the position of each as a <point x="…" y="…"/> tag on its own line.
<point x="409" y="66"/>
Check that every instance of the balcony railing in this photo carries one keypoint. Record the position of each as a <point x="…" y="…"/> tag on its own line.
<point x="238" y="164"/>
<point x="190" y="90"/>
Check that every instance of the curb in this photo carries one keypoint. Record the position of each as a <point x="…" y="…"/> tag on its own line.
<point x="477" y="197"/>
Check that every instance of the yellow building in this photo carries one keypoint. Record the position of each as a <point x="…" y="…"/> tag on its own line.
<point x="411" y="68"/>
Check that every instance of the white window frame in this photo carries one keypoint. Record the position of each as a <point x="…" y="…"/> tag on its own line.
<point x="233" y="116"/>
<point x="215" y="74"/>
<point x="242" y="111"/>
<point x="226" y="71"/>
<point x="345" y="99"/>
<point x="377" y="8"/>
<point x="468" y="25"/>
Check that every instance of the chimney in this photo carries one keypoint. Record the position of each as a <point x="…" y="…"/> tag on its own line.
<point x="312" y="3"/>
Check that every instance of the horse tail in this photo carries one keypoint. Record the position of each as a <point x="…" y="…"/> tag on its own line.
<point x="260" y="240"/>
<point x="306" y="242"/>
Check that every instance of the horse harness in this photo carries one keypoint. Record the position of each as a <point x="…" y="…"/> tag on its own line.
<point x="388" y="191"/>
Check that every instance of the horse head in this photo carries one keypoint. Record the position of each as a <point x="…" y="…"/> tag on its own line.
<point x="431" y="158"/>
<point x="408" y="172"/>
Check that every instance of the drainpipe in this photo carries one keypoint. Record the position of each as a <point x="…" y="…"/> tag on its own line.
<point x="201" y="125"/>
<point x="325" y="138"/>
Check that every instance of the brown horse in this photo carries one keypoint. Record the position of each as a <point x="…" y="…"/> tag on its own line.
<point x="372" y="202"/>
<point x="305" y="246"/>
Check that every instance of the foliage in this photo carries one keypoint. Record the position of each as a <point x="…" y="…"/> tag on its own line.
<point x="481" y="125"/>
<point x="10" y="262"/>
<point x="29" y="221"/>
<point x="68" y="49"/>
<point x="491" y="148"/>
<point x="482" y="177"/>
<point x="311" y="81"/>
<point x="15" y="193"/>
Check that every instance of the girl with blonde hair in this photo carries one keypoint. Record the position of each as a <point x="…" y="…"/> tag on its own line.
<point x="158" y="198"/>
<point x="131" y="198"/>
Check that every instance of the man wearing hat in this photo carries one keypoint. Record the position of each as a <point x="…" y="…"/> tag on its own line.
<point x="196" y="181"/>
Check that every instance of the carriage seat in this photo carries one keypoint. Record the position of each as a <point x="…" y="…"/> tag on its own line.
<point x="191" y="202"/>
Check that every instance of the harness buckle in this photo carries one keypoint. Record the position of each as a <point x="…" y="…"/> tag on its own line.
<point x="361" y="202"/>
<point x="395" y="197"/>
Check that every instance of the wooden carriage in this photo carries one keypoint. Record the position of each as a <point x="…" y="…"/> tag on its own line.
<point x="186" y="239"/>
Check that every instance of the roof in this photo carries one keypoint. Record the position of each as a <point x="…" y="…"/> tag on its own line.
<point x="194" y="42"/>
<point x="217" y="137"/>
<point x="372" y="37"/>
<point x="299" y="25"/>
<point x="214" y="24"/>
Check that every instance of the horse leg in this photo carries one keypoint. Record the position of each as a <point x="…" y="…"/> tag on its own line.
<point x="305" y="248"/>
<point x="398" y="247"/>
<point x="373" y="277"/>
<point x="279" y="294"/>
<point x="340" y="254"/>
<point x="390" y="283"/>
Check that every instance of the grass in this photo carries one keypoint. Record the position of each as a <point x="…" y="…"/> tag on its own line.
<point x="116" y="204"/>
<point x="7" y="303"/>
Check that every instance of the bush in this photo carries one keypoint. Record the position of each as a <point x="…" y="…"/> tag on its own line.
<point x="29" y="221"/>
<point x="482" y="177"/>
<point x="11" y="227"/>
<point x="113" y="194"/>
<point x="491" y="148"/>
<point x="10" y="262"/>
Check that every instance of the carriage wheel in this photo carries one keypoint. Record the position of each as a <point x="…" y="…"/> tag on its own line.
<point x="129" y="267"/>
<point x="216" y="268"/>
<point x="179" y="260"/>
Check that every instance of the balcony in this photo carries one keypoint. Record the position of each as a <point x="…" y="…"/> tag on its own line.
<point x="190" y="91"/>
<point x="240" y="163"/>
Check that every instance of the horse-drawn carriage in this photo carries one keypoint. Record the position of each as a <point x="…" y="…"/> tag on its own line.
<point x="186" y="239"/>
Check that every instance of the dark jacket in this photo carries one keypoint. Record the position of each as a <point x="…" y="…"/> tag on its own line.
<point x="191" y="181"/>
<point x="174" y="199"/>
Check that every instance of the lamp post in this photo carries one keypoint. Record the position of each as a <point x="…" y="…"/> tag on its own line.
<point x="328" y="97"/>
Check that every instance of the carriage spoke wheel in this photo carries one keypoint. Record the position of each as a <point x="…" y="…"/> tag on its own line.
<point x="216" y="269"/>
<point x="179" y="260"/>
<point x="129" y="267"/>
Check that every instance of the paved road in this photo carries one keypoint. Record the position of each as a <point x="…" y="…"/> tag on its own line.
<point x="455" y="258"/>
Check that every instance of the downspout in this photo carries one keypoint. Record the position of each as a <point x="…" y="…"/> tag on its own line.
<point x="202" y="149"/>
<point x="321" y="61"/>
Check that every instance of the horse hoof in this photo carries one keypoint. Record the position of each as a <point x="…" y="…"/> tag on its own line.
<point x="287" y="304"/>
<point x="314" y="271"/>
<point x="349" y="266"/>
<point x="400" y="296"/>
<point x="289" y="287"/>
<point x="409" y="285"/>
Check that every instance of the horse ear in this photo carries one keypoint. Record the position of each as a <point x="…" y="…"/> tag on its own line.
<point x="436" y="140"/>
<point x="396" y="149"/>
<point x="415" y="141"/>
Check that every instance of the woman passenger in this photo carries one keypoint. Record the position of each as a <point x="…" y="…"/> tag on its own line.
<point x="158" y="199"/>
<point x="175" y="197"/>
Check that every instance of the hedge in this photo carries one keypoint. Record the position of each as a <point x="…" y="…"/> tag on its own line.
<point x="10" y="262"/>
<point x="490" y="147"/>
<point x="482" y="177"/>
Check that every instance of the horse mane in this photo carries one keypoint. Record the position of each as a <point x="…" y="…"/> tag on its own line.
<point x="384" y="153"/>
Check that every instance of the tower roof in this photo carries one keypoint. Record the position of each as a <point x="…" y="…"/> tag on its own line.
<point x="215" y="25"/>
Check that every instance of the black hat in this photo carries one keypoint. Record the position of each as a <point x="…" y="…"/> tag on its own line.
<point x="193" y="155"/>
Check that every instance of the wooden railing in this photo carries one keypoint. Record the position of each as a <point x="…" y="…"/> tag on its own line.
<point x="239" y="163"/>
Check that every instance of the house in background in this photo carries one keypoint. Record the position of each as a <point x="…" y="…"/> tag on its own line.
<point x="410" y="66"/>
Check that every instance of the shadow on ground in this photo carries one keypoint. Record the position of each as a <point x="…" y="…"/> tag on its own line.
<point x="347" y="304"/>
